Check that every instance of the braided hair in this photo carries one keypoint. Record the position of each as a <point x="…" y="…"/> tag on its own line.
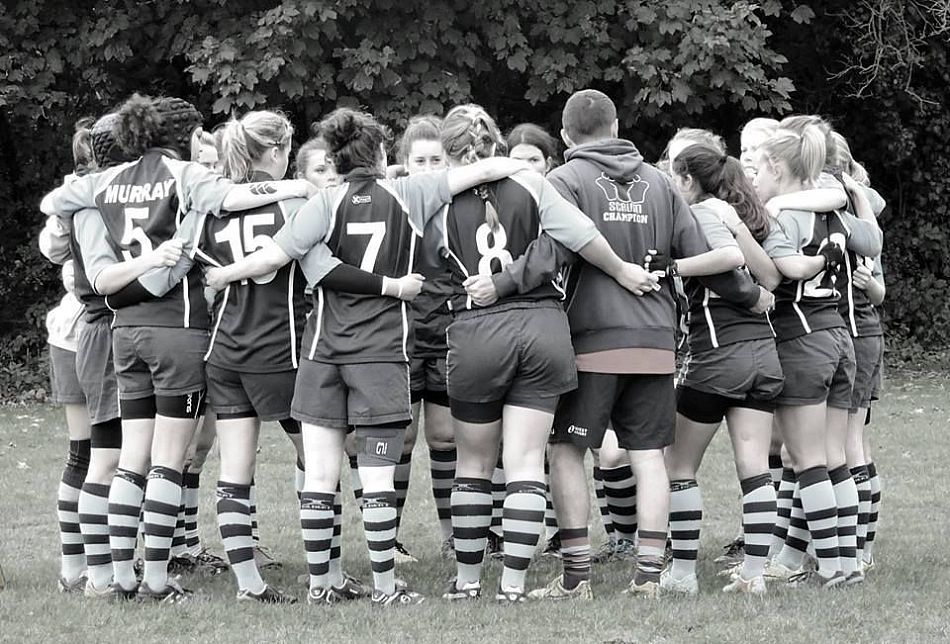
<point x="468" y="135"/>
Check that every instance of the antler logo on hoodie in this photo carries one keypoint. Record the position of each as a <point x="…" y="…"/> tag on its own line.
<point x="624" y="200"/>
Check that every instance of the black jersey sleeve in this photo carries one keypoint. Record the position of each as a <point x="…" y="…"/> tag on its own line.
<point x="736" y="286"/>
<point x="351" y="279"/>
<point x="539" y="264"/>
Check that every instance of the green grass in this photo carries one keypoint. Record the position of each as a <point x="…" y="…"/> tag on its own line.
<point x="906" y="598"/>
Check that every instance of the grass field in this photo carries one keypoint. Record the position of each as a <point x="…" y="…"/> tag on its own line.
<point x="906" y="598"/>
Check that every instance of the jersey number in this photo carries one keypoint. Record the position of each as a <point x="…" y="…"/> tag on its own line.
<point x="492" y="245"/>
<point x="249" y="242"/>
<point x="376" y="231"/>
<point x="135" y="234"/>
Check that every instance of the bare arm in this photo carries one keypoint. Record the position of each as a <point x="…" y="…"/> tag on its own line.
<point x="757" y="260"/>
<point x="718" y="260"/>
<point x="800" y="267"/>
<point x="243" y="196"/>
<point x="462" y="178"/>
<point x="114" y="278"/>
<point x="260" y="262"/>
<point x="814" y="200"/>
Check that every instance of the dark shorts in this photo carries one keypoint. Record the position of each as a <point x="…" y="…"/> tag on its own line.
<point x="267" y="395"/>
<point x="160" y="361"/>
<point x="742" y="370"/>
<point x="343" y="395"/>
<point x="517" y="355"/>
<point x="63" y="379"/>
<point x="819" y="367"/>
<point x="641" y="409"/>
<point x="868" y="357"/>
<point x="426" y="375"/>
<point x="96" y="370"/>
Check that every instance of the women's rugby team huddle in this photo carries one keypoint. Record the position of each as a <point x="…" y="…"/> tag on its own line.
<point x="519" y="312"/>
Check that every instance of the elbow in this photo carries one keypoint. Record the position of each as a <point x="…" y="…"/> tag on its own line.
<point x="771" y="281"/>
<point x="732" y="257"/>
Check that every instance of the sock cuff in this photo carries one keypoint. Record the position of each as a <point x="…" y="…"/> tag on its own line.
<point x="227" y="490"/>
<point x="472" y="485"/>
<point x="755" y="482"/>
<point x="167" y="473"/>
<point x="443" y="455"/>
<point x="572" y="534"/>
<point x="788" y="474"/>
<point x="860" y="474"/>
<point x="379" y="499"/>
<point x="681" y="485"/>
<point x="812" y="475"/>
<point x="872" y="469"/>
<point x="129" y="476"/>
<point x="318" y="501"/>
<point x="405" y="459"/>
<point x="353" y="464"/>
<point x="775" y="461"/>
<point x="300" y="466"/>
<point x="96" y="489"/>
<point x="617" y="473"/>
<point x="191" y="479"/>
<point x="526" y="487"/>
<point x="839" y="474"/>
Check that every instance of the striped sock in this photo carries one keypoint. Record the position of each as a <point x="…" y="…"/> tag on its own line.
<point x="550" y="517"/>
<point x="178" y="538"/>
<point x="601" y="493"/>
<point x="94" y="524"/>
<point x="73" y="559"/>
<point x="783" y="510"/>
<point x="316" y="525"/>
<point x="401" y="483"/>
<point x="299" y="476"/>
<point x="522" y="524"/>
<point x="125" y="504"/>
<point x="620" y="486"/>
<point x="575" y="553"/>
<point x="875" y="482"/>
<point x="471" y="518"/>
<point x="863" y="483"/>
<point x="336" y="543"/>
<point x="442" y="468"/>
<point x="162" y="497"/>
<point x="255" y="534"/>
<point x="846" y="498"/>
<point x="650" y="550"/>
<point x="189" y="495"/>
<point x="234" y="522"/>
<point x="379" y="524"/>
<point x="355" y="482"/>
<point x="776" y="469"/>
<point x="792" y="553"/>
<point x="686" y="517"/>
<point x="758" y="522"/>
<point x="497" y="496"/>
<point x="821" y="513"/>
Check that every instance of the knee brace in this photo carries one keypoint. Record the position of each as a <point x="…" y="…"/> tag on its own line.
<point x="481" y="413"/>
<point x="137" y="408"/>
<point x="107" y="435"/>
<point x="77" y="463"/>
<point x="380" y="445"/>
<point x="190" y="405"/>
<point x="290" y="426"/>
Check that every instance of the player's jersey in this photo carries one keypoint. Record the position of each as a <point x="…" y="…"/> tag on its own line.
<point x="860" y="316"/>
<point x="142" y="204"/>
<point x="806" y="306"/>
<point x="257" y="324"/>
<point x="429" y="311"/>
<point x="95" y="304"/>
<point x="473" y="248"/>
<point x="374" y="224"/>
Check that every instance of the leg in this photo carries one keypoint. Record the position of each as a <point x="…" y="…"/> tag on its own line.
<point x="203" y="442"/>
<point x="846" y="491"/>
<point x="323" y="449"/>
<point x="105" y="444"/>
<point x="569" y="489"/>
<point x="620" y="490"/>
<point x="442" y="462"/>
<point x="73" y="559"/>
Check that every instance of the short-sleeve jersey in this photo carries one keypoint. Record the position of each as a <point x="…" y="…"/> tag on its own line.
<point x="375" y="225"/>
<point x="805" y="306"/>
<point x="95" y="304"/>
<point x="257" y="324"/>
<point x="860" y="315"/>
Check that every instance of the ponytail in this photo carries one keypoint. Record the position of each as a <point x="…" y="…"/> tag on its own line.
<point x="813" y="151"/>
<point x="804" y="154"/>
<point x="468" y="135"/>
<point x="247" y="140"/>
<point x="353" y="139"/>
<point x="84" y="160"/>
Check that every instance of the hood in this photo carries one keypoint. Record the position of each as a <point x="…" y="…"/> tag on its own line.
<point x="619" y="159"/>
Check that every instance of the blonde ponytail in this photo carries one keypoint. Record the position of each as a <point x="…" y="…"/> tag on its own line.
<point x="245" y="141"/>
<point x="812" y="154"/>
<point x="804" y="154"/>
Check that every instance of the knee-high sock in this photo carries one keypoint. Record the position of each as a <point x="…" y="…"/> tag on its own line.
<point x="94" y="524"/>
<point x="73" y="559"/>
<point x="189" y="497"/>
<point x="336" y="543"/>
<point x="522" y="523"/>
<point x="125" y="505"/>
<point x="401" y="478"/>
<point x="316" y="526"/>
<point x="550" y="517"/>
<point x="575" y="554"/>
<point x="686" y="517"/>
<point x="798" y="537"/>
<point x="497" y="496"/>
<point x="601" y="493"/>
<point x="255" y="534"/>
<point x="874" y="480"/>
<point x="234" y="523"/>
<point x="758" y="522"/>
<point x="442" y="468"/>
<point x="783" y="510"/>
<point x="379" y="524"/>
<point x="162" y="498"/>
<point x="821" y="513"/>
<point x="620" y="486"/>
<point x="863" y="483"/>
<point x="776" y="469"/>
<point x="471" y="519"/>
<point x="355" y="482"/>
<point x="649" y="555"/>
<point x="178" y="548"/>
<point x="846" y="497"/>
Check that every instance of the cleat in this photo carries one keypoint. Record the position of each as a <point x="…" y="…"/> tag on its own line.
<point x="670" y="585"/>
<point x="625" y="550"/>
<point x="649" y="589"/>
<point x="448" y="549"/>
<point x="496" y="546"/>
<point x="402" y="597"/>
<point x="855" y="578"/>
<point x="779" y="571"/>
<point x="352" y="588"/>
<point x="90" y="591"/>
<point x="267" y="596"/>
<point x="553" y="547"/>
<point x="734" y="552"/>
<point x="814" y="579"/>
<point x="213" y="564"/>
<point x="264" y="559"/>
<point x="867" y="564"/>
<point x="509" y="596"/>
<point x="118" y="592"/>
<point x="171" y="594"/>
<point x="556" y="591"/>
<point x="403" y="556"/>
<point x="180" y="565"/>
<point x="754" y="586"/>
<point x="68" y="587"/>
<point x="731" y="572"/>
<point x="468" y="591"/>
<point x="605" y="553"/>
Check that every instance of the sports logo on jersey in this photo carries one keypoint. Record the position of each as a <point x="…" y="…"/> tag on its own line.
<point x="624" y="200"/>
<point x="361" y="200"/>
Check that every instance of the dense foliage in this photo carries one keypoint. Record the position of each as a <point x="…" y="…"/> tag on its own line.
<point x="668" y="64"/>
